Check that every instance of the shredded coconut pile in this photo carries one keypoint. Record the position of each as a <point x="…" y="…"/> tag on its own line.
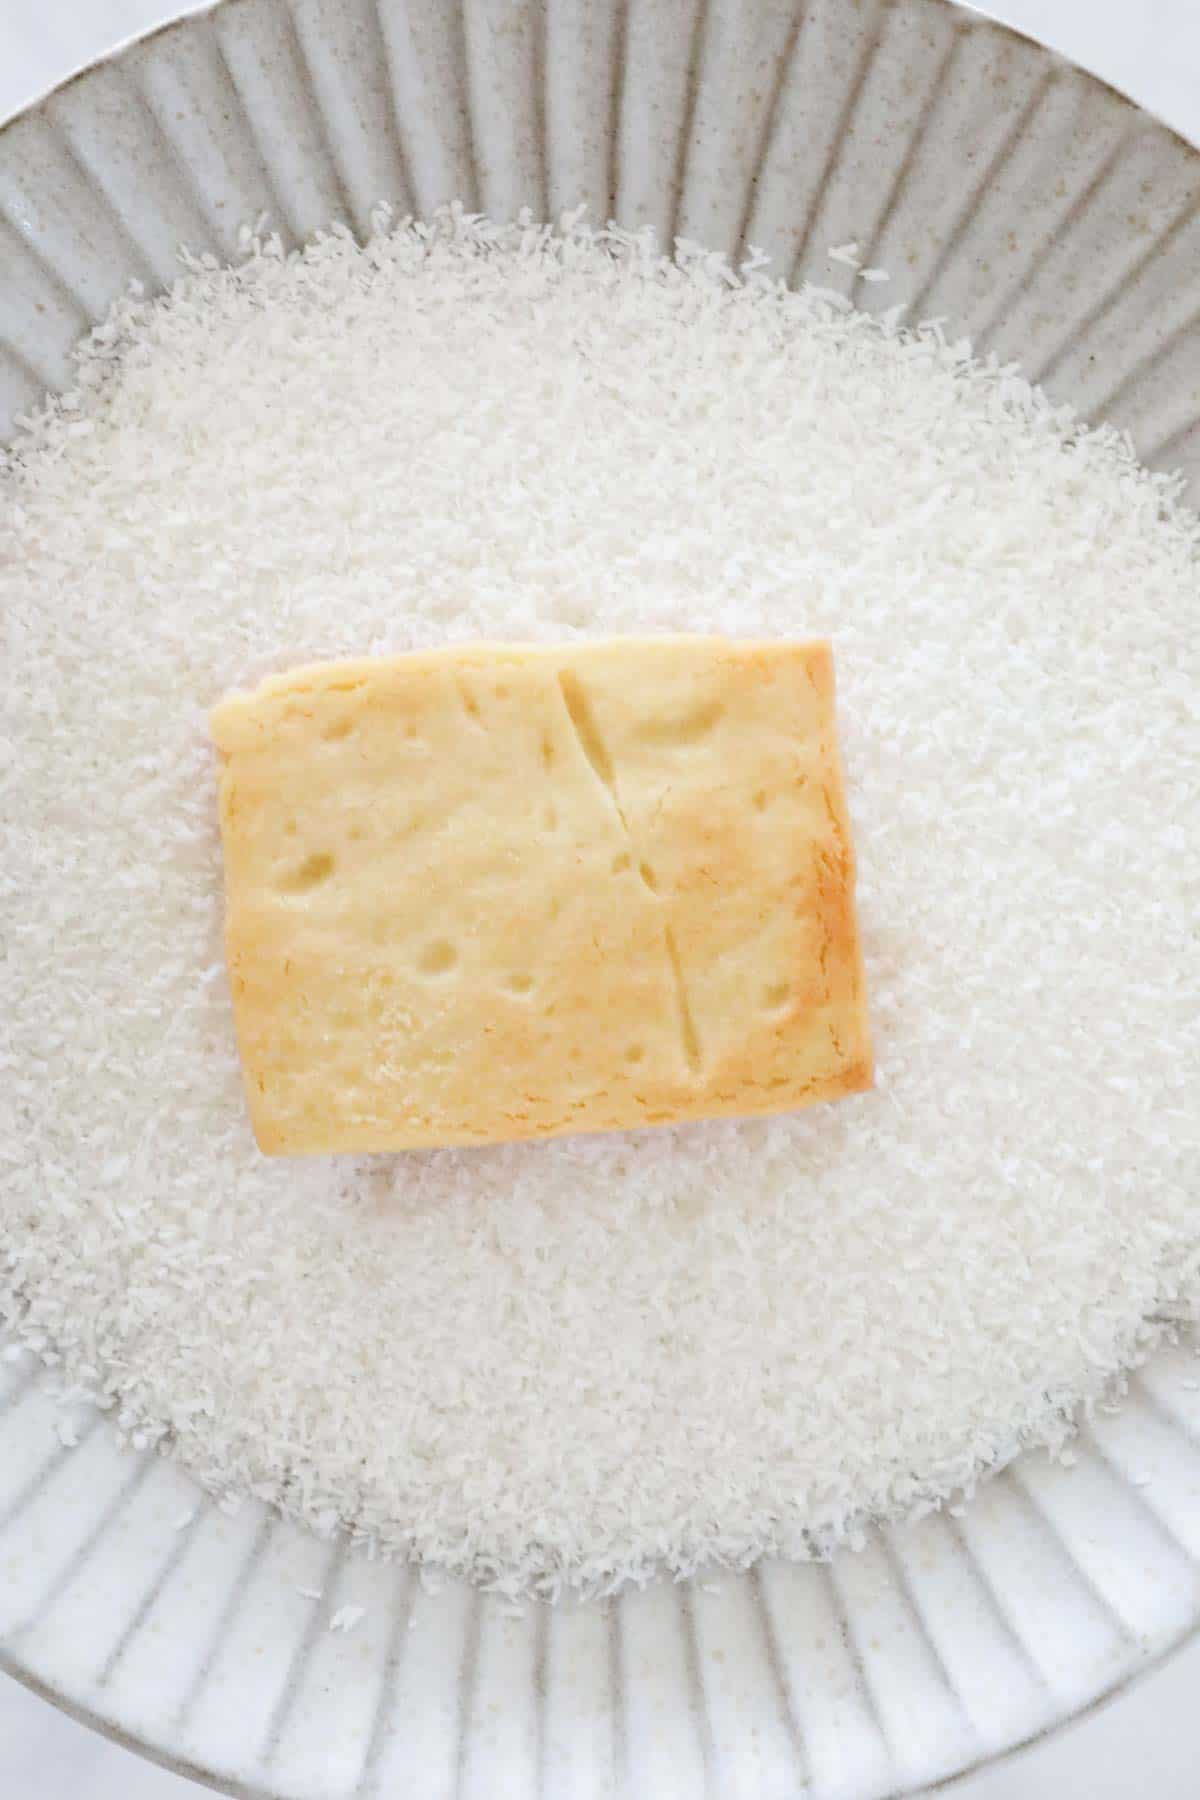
<point x="571" y="1363"/>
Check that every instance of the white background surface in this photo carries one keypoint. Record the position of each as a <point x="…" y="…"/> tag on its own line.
<point x="1147" y="1743"/>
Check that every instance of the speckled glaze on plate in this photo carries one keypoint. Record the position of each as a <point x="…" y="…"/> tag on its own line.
<point x="1055" y="223"/>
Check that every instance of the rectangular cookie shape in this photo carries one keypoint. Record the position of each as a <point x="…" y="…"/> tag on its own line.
<point x="496" y="892"/>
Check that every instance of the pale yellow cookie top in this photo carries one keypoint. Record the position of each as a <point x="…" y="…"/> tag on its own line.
<point x="499" y="892"/>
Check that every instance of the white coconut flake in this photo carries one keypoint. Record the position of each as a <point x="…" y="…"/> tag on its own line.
<point x="570" y="1364"/>
<point x="844" y="253"/>
<point x="346" y="1618"/>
